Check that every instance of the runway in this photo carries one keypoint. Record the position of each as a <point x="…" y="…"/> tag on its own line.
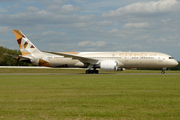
<point x="89" y="74"/>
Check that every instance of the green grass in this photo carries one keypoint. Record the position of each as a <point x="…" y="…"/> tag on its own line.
<point x="80" y="96"/>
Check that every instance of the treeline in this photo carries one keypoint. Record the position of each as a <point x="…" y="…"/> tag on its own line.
<point x="9" y="61"/>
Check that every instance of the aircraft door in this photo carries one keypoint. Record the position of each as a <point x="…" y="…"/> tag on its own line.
<point x="160" y="58"/>
<point x="126" y="59"/>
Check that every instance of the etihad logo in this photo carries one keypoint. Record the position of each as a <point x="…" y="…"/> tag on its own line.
<point x="136" y="54"/>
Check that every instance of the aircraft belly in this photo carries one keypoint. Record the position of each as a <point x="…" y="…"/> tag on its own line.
<point x="65" y="63"/>
<point x="143" y="64"/>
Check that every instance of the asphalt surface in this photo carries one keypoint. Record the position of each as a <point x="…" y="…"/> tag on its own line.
<point x="89" y="74"/>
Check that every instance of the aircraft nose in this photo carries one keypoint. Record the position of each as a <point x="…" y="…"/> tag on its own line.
<point x="176" y="63"/>
<point x="173" y="63"/>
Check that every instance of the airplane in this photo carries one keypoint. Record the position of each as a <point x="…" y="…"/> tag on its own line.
<point x="106" y="61"/>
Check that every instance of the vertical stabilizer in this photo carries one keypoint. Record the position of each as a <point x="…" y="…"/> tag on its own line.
<point x="25" y="45"/>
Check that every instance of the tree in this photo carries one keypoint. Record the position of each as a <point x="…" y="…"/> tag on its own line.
<point x="9" y="61"/>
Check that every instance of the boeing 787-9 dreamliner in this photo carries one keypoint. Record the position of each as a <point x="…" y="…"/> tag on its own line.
<point x="106" y="61"/>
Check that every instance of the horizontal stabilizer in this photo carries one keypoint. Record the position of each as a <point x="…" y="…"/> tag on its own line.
<point x="17" y="57"/>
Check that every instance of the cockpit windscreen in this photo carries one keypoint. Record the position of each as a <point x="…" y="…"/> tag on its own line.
<point x="171" y="58"/>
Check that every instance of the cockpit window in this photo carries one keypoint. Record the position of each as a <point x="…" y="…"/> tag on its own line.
<point x="171" y="58"/>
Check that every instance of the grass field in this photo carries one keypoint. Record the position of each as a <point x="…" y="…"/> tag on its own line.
<point x="81" y="96"/>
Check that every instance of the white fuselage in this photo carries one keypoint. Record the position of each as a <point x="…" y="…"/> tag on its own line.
<point x="124" y="59"/>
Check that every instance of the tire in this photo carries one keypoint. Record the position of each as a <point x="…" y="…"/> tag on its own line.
<point x="87" y="71"/>
<point x="92" y="71"/>
<point x="96" y="71"/>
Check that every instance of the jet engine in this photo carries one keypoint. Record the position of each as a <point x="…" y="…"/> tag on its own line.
<point x="111" y="66"/>
<point x="108" y="65"/>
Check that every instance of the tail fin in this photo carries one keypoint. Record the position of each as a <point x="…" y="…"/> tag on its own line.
<point x="25" y="45"/>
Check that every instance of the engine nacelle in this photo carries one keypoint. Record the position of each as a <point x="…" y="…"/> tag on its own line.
<point x="108" y="65"/>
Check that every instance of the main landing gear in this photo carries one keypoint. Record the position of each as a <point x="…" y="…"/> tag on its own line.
<point x="92" y="71"/>
<point x="163" y="70"/>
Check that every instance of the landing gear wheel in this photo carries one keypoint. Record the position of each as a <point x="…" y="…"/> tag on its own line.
<point x="96" y="71"/>
<point x="88" y="71"/>
<point x="163" y="72"/>
<point x="92" y="71"/>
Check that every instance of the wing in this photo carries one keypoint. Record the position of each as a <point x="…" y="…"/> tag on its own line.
<point x="73" y="56"/>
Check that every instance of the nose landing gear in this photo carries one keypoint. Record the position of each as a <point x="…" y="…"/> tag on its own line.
<point x="163" y="71"/>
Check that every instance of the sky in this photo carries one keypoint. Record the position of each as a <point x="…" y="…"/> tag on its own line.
<point x="93" y="25"/>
